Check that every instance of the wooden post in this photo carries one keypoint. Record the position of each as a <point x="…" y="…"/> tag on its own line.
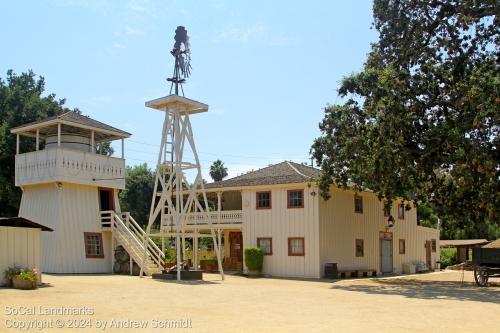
<point x="131" y="264"/>
<point x="219" y="238"/>
<point x="123" y="148"/>
<point x="195" y="250"/>
<point x="219" y="207"/>
<point x="37" y="139"/>
<point x="17" y="144"/>
<point x="92" y="143"/>
<point x="183" y="246"/>
<point x="58" y="135"/>
<point x="112" y="251"/>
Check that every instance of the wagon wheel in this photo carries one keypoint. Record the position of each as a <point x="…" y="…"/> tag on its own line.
<point x="481" y="276"/>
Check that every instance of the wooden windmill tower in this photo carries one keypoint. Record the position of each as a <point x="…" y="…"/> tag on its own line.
<point x="175" y="199"/>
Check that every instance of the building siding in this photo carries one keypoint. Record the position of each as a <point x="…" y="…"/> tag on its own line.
<point x="340" y="226"/>
<point x="70" y="210"/>
<point x="19" y="247"/>
<point x="280" y="223"/>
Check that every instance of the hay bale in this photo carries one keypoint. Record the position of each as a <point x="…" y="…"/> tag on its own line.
<point x="125" y="268"/>
<point x="121" y="255"/>
<point x="136" y="269"/>
<point x="117" y="267"/>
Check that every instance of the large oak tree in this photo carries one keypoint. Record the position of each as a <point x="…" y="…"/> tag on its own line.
<point x="23" y="100"/>
<point x="421" y="121"/>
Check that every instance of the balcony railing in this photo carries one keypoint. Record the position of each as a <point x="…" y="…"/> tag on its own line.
<point x="68" y="165"/>
<point x="227" y="217"/>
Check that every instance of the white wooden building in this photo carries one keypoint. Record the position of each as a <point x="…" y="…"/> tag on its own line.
<point x="70" y="188"/>
<point x="20" y="245"/>
<point x="74" y="190"/>
<point x="279" y="209"/>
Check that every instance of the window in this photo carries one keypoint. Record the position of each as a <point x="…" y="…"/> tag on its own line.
<point x="401" y="211"/>
<point x="433" y="245"/>
<point x="296" y="246"/>
<point x="402" y="246"/>
<point x="360" y="248"/>
<point x="263" y="200"/>
<point x="266" y="244"/>
<point x="93" y="245"/>
<point x="358" y="204"/>
<point x="295" y="198"/>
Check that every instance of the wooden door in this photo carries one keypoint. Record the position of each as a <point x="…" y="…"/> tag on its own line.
<point x="106" y="200"/>
<point x="236" y="245"/>
<point x="386" y="256"/>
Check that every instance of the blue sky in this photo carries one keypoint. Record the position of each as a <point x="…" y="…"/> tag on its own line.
<point x="266" y="68"/>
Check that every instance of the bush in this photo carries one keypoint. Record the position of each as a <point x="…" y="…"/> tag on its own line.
<point x="170" y="254"/>
<point x="448" y="257"/>
<point x="10" y="273"/>
<point x="254" y="258"/>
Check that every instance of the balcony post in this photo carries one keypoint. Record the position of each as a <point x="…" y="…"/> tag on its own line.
<point x="37" y="139"/>
<point x="58" y="135"/>
<point x="17" y="144"/>
<point x="123" y="148"/>
<point x="219" y="206"/>
<point x="92" y="148"/>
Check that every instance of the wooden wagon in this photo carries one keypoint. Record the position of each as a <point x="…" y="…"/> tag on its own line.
<point x="486" y="263"/>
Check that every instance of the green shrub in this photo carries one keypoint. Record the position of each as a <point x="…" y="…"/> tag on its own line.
<point x="254" y="258"/>
<point x="170" y="254"/>
<point x="448" y="257"/>
<point x="10" y="273"/>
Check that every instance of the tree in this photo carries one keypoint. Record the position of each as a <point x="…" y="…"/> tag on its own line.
<point x="136" y="198"/>
<point x="104" y="148"/>
<point x="217" y="171"/>
<point x="21" y="102"/>
<point x="421" y="120"/>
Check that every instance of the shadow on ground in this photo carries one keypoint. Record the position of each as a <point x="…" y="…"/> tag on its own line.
<point x="412" y="288"/>
<point x="187" y="282"/>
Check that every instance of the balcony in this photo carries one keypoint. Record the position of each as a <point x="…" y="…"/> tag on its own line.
<point x="69" y="165"/>
<point x="228" y="219"/>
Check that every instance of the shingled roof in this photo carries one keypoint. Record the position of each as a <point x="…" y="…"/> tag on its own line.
<point x="48" y="126"/>
<point x="282" y="173"/>
<point x="77" y="118"/>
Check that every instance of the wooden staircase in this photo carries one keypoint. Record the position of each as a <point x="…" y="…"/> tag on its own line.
<point x="132" y="237"/>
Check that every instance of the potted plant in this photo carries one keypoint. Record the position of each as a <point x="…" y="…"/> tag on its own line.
<point x="10" y="273"/>
<point x="26" y="279"/>
<point x="254" y="259"/>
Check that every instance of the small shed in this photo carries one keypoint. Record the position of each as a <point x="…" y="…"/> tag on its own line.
<point x="463" y="246"/>
<point x="20" y="244"/>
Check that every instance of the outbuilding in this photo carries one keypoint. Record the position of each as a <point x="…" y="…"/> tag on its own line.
<point x="20" y="244"/>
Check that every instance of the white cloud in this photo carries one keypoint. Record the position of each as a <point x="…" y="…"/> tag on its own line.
<point x="98" y="100"/>
<point x="132" y="31"/>
<point x="241" y="35"/>
<point x="119" y="46"/>
<point x="141" y="7"/>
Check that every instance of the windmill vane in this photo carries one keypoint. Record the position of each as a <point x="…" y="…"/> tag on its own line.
<point x="182" y="55"/>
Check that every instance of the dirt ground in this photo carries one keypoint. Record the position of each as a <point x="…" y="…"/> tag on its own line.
<point x="419" y="303"/>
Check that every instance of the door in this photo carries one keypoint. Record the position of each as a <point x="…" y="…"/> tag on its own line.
<point x="106" y="201"/>
<point x="386" y="256"/>
<point x="236" y="245"/>
<point x="428" y="249"/>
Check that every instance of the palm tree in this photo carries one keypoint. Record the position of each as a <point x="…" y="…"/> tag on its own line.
<point x="217" y="171"/>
